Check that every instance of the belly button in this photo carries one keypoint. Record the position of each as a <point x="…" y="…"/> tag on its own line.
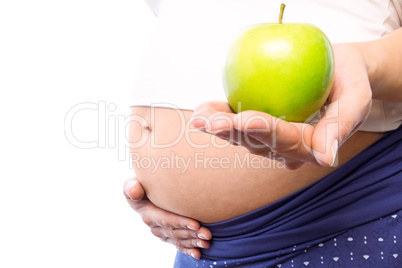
<point x="148" y="127"/>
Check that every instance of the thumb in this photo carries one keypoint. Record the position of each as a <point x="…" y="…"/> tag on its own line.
<point x="350" y="104"/>
<point x="327" y="137"/>
<point x="133" y="189"/>
<point x="341" y="120"/>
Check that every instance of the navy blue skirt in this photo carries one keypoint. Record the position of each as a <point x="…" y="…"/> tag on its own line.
<point x="350" y="218"/>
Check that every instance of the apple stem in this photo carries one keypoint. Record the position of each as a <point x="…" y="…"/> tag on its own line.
<point x="281" y="13"/>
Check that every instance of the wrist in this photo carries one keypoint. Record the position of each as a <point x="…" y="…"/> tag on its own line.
<point x="373" y="60"/>
<point x="383" y="58"/>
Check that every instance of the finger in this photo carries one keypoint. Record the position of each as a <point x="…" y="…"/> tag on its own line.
<point x="290" y="140"/>
<point x="339" y="123"/>
<point x="151" y="214"/>
<point x="138" y="199"/>
<point x="182" y="244"/>
<point x="133" y="189"/>
<point x="185" y="246"/>
<point x="349" y="104"/>
<point x="346" y="112"/>
<point x="174" y="233"/>
<point x="254" y="146"/>
<point x="158" y="217"/>
<point x="204" y="233"/>
<point x="219" y="121"/>
<point x="193" y="252"/>
<point x="204" y="111"/>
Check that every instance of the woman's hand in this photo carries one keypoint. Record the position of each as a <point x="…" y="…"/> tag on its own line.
<point x="186" y="234"/>
<point x="294" y="144"/>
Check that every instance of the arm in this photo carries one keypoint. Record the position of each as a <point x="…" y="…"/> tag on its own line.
<point x="384" y="62"/>
<point x="184" y="233"/>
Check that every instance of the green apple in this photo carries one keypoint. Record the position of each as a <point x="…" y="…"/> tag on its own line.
<point x="285" y="70"/>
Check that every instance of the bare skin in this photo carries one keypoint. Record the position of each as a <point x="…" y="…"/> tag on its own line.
<point x="376" y="64"/>
<point x="176" y="201"/>
<point x="198" y="171"/>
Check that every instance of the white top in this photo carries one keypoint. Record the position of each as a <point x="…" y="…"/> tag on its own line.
<point x="183" y="63"/>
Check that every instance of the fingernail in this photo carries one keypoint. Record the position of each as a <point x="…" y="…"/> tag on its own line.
<point x="197" y="120"/>
<point x="199" y="244"/>
<point x="334" y="152"/>
<point x="192" y="255"/>
<point x="128" y="185"/>
<point x="202" y="236"/>
<point x="191" y="228"/>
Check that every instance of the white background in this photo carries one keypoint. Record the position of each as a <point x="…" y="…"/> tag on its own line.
<point x="62" y="205"/>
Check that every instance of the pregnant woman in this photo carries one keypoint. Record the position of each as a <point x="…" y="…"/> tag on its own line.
<point x="328" y="194"/>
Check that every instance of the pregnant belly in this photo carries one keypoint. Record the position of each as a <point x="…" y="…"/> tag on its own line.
<point x="203" y="177"/>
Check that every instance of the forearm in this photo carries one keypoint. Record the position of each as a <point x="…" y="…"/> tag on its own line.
<point x="384" y="63"/>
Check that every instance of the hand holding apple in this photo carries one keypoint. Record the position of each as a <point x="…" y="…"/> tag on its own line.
<point x="348" y="106"/>
<point x="285" y="70"/>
